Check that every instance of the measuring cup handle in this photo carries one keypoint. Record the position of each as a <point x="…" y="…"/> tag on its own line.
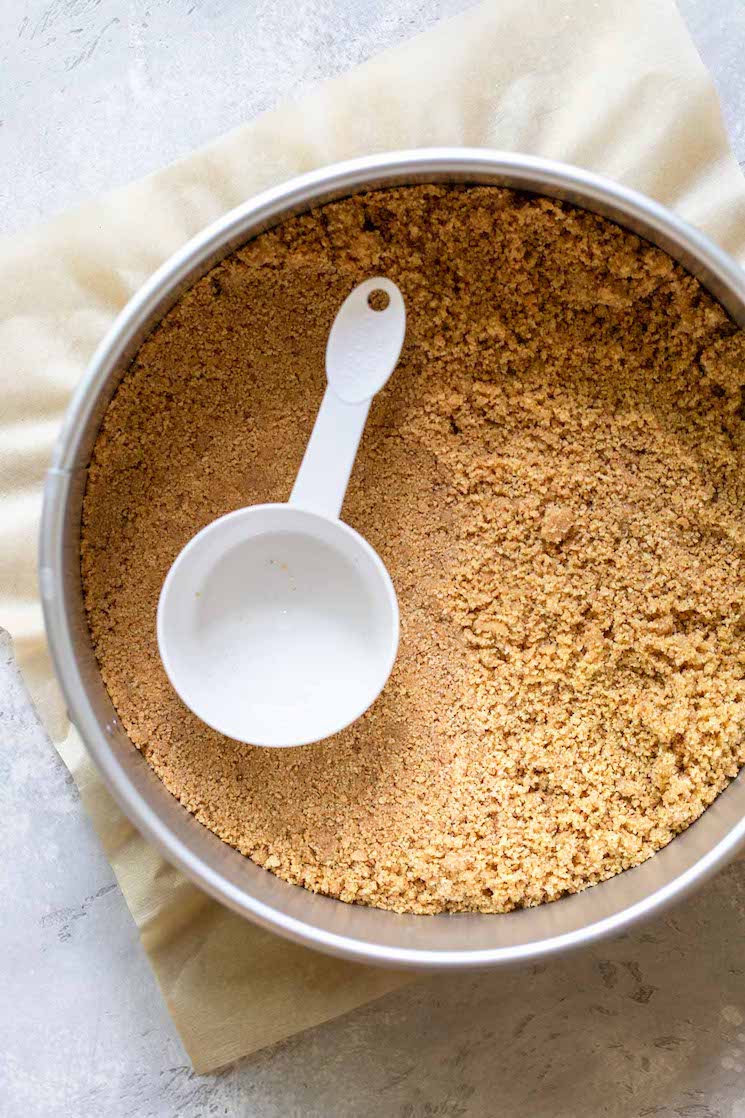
<point x="329" y="456"/>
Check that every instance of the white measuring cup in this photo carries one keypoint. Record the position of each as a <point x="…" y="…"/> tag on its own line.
<point x="278" y="624"/>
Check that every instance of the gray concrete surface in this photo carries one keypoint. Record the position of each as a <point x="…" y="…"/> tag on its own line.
<point x="94" y="93"/>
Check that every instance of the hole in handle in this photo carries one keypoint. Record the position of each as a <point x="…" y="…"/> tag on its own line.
<point x="378" y="300"/>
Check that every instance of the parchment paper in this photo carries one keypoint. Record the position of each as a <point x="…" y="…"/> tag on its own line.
<point x="615" y="86"/>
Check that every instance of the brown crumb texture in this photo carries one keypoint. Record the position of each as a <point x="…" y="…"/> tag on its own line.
<point x="554" y="478"/>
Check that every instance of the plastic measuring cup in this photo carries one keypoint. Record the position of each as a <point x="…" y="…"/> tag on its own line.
<point x="278" y="624"/>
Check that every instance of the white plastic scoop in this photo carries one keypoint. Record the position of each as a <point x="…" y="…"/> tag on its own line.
<point x="278" y="624"/>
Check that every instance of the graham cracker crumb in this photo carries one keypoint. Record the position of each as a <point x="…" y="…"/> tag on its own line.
<point x="558" y="521"/>
<point x="554" y="478"/>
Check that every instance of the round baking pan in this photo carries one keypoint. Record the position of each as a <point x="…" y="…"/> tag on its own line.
<point x="364" y="934"/>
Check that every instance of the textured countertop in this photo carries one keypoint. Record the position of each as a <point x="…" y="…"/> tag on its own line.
<point x="94" y="93"/>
